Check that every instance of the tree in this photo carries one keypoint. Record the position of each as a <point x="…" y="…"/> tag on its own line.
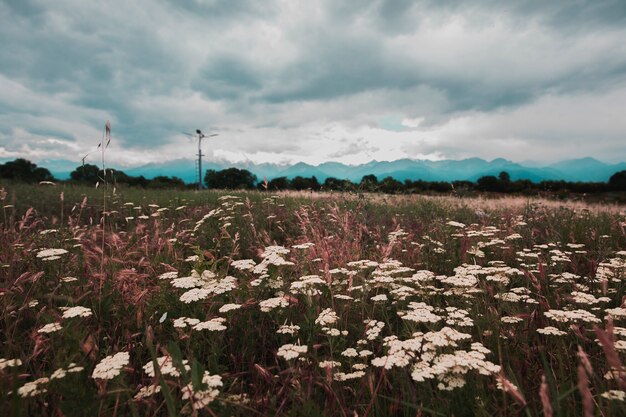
<point x="230" y="178"/>
<point x="332" y="183"/>
<point x="390" y="185"/>
<point x="488" y="183"/>
<point x="369" y="183"/>
<point x="618" y="181"/>
<point x="86" y="173"/>
<point x="280" y="183"/>
<point x="24" y="170"/>
<point x="302" y="183"/>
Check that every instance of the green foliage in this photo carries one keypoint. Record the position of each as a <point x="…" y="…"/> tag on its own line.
<point x="230" y="179"/>
<point x="24" y="171"/>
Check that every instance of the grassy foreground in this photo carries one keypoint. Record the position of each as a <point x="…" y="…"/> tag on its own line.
<point x="298" y="304"/>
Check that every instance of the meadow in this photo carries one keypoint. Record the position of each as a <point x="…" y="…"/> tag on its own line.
<point x="143" y="303"/>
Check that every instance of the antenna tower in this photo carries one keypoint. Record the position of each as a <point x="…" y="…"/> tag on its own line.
<point x="200" y="136"/>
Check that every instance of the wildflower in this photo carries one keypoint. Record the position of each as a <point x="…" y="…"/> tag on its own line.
<point x="186" y="282"/>
<point x="291" y="351"/>
<point x="243" y="264"/>
<point x="373" y="328"/>
<point x="379" y="297"/>
<point x="572" y="316"/>
<point x="147" y="391"/>
<point x="169" y="275"/>
<point x="614" y="395"/>
<point x="272" y="303"/>
<point x="329" y="364"/>
<point x="50" y="328"/>
<point x="551" y="331"/>
<point x="77" y="311"/>
<point x="9" y="363"/>
<point x="511" y="320"/>
<point x="288" y="329"/>
<point x="183" y="322"/>
<point x="456" y="224"/>
<point x="110" y="367"/>
<point x="340" y="376"/>
<point x="33" y="388"/>
<point x="50" y="254"/>
<point x="195" y="294"/>
<point x="62" y="372"/>
<point x="303" y="245"/>
<point x="166" y="367"/>
<point x="202" y="396"/>
<point x="326" y="317"/>
<point x="350" y="353"/>
<point x="229" y="307"/>
<point x="419" y="313"/>
<point x="616" y="313"/>
<point x="213" y="325"/>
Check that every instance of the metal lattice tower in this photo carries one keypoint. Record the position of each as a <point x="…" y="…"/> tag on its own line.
<point x="198" y="169"/>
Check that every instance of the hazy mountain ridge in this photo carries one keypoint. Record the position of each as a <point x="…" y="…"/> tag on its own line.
<point x="583" y="169"/>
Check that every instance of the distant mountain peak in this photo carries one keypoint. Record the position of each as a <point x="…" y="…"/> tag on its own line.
<point x="580" y="169"/>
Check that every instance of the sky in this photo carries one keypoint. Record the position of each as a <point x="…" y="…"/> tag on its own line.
<point x="313" y="81"/>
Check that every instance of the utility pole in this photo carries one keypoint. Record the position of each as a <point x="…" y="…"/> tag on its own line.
<point x="200" y="136"/>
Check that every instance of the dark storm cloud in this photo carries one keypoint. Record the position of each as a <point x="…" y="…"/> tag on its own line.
<point x="158" y="68"/>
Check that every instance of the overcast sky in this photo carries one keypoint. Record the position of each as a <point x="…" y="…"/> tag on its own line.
<point x="288" y="81"/>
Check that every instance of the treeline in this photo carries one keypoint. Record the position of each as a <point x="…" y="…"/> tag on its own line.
<point x="235" y="178"/>
<point x="23" y="170"/>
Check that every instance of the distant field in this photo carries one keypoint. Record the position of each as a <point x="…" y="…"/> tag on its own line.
<point x="301" y="304"/>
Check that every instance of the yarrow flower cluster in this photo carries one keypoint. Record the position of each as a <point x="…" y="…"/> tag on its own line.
<point x="202" y="396"/>
<point x="291" y="351"/>
<point x="110" y="367"/>
<point x="272" y="303"/>
<point x="50" y="254"/>
<point x="166" y="367"/>
<point x="77" y="311"/>
<point x="326" y="317"/>
<point x="50" y="328"/>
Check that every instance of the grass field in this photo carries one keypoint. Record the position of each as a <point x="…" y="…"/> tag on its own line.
<point x="308" y="304"/>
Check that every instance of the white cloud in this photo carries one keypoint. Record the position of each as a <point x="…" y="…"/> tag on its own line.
<point x="292" y="81"/>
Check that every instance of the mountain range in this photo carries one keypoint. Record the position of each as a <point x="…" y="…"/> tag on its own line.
<point x="583" y="169"/>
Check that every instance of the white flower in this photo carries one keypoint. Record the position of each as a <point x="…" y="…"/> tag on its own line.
<point x="551" y="331"/>
<point x="147" y="391"/>
<point x="202" y="397"/>
<point x="9" y="363"/>
<point x="614" y="395"/>
<point x="213" y="325"/>
<point x="243" y="264"/>
<point x="290" y="351"/>
<point x="456" y="224"/>
<point x="272" y="303"/>
<point x="326" y="317"/>
<point x="329" y="364"/>
<point x="50" y="328"/>
<point x="340" y="376"/>
<point x="166" y="367"/>
<point x="110" y="367"/>
<point x="30" y="389"/>
<point x="50" y="254"/>
<point x="511" y="320"/>
<point x="229" y="307"/>
<point x="195" y="294"/>
<point x="77" y="311"/>
<point x="288" y="329"/>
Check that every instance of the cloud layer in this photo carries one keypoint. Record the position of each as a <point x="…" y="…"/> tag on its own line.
<point x="286" y="81"/>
